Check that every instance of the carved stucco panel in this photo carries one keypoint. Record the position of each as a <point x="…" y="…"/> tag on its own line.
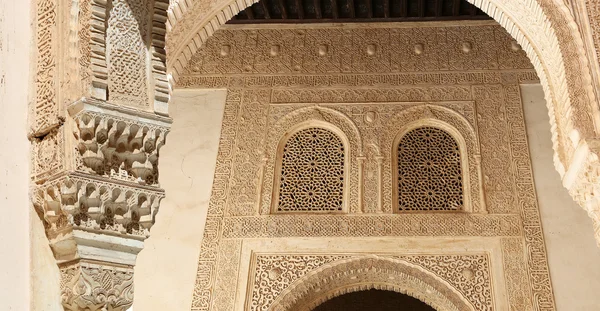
<point x="282" y="122"/>
<point x="275" y="276"/>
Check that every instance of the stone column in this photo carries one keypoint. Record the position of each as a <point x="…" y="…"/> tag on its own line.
<point x="97" y="124"/>
<point x="98" y="210"/>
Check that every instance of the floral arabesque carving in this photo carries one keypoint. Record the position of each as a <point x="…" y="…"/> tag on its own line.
<point x="93" y="287"/>
<point x="81" y="202"/>
<point x="545" y="30"/>
<point x="367" y="272"/>
<point x="118" y="147"/>
<point x="126" y="48"/>
<point x="494" y="110"/>
<point x="274" y="274"/>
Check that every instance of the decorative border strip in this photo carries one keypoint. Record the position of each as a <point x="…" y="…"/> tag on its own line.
<point x="278" y="226"/>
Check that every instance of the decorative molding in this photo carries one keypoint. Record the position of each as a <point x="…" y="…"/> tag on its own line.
<point x="366" y="80"/>
<point x="491" y="115"/>
<point x="413" y="224"/>
<point x="545" y="30"/>
<point x="45" y="112"/>
<point x="235" y="51"/>
<point x="162" y="88"/>
<point x="97" y="49"/>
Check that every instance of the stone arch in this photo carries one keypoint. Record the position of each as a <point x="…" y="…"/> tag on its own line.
<point x="545" y="30"/>
<point x="327" y="117"/>
<point x="370" y="272"/>
<point x="458" y="127"/>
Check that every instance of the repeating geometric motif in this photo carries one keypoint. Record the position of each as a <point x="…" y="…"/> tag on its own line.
<point x="498" y="120"/>
<point x="127" y="53"/>
<point x="429" y="171"/>
<point x="312" y="172"/>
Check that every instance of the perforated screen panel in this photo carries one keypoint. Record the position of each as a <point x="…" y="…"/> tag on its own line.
<point x="312" y="172"/>
<point x="429" y="171"/>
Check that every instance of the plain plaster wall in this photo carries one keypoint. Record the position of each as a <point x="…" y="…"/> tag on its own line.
<point x="573" y="256"/>
<point x="29" y="277"/>
<point x="15" y="36"/>
<point x="165" y="270"/>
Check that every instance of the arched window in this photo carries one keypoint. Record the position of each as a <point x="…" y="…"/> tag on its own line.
<point x="312" y="172"/>
<point x="429" y="171"/>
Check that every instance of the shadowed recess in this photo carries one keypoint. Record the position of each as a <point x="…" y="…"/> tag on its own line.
<point x="375" y="300"/>
<point x="348" y="11"/>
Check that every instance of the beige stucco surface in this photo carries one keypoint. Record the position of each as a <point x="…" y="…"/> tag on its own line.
<point x="165" y="270"/>
<point x="29" y="278"/>
<point x="572" y="252"/>
<point x="15" y="36"/>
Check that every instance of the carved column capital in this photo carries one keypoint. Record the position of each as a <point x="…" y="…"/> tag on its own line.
<point x="99" y="204"/>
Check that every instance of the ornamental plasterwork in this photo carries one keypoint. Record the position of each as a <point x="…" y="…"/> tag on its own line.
<point x="432" y="154"/>
<point x="311" y="171"/>
<point x="94" y="160"/>
<point x="447" y="282"/>
<point x="546" y="31"/>
<point x="94" y="287"/>
<point x="110" y="143"/>
<point x="484" y="107"/>
<point x="80" y="202"/>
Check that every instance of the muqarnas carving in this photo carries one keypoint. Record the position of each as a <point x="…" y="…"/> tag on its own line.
<point x="88" y="204"/>
<point x="119" y="148"/>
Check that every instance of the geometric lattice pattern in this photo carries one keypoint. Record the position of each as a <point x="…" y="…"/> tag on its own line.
<point x="312" y="172"/>
<point x="429" y="171"/>
<point x="127" y="52"/>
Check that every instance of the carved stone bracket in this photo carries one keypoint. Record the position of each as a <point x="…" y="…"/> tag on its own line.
<point x="96" y="204"/>
<point x="97" y="192"/>
<point x="115" y="144"/>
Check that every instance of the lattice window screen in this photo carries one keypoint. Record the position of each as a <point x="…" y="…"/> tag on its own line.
<point x="312" y="172"/>
<point x="429" y="171"/>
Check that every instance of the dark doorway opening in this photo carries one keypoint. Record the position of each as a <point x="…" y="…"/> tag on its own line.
<point x="374" y="300"/>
